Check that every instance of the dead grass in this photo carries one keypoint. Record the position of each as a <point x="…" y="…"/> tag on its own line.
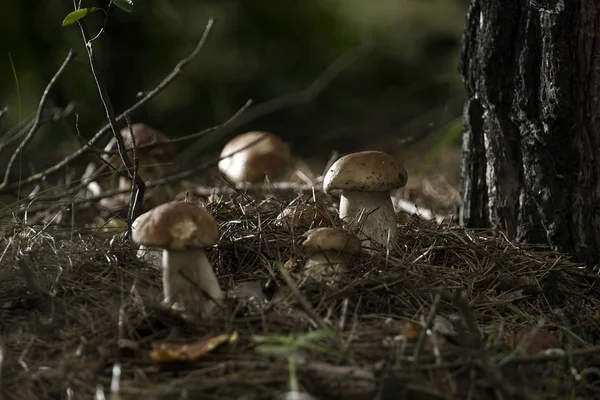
<point x="76" y="303"/>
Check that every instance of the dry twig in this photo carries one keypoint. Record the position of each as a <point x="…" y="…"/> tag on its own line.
<point x="35" y="124"/>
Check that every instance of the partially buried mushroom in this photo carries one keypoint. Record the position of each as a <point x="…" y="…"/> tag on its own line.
<point x="152" y="161"/>
<point x="365" y="180"/>
<point x="303" y="216"/>
<point x="329" y="250"/>
<point x="251" y="156"/>
<point x="183" y="231"/>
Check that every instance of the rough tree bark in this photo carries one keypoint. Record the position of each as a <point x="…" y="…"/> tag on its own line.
<point x="531" y="146"/>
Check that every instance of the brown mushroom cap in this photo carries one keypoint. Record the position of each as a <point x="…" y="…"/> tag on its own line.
<point x="144" y="135"/>
<point x="330" y="239"/>
<point x="270" y="156"/>
<point x="366" y="171"/>
<point x="302" y="216"/>
<point x="533" y="341"/>
<point x="176" y="226"/>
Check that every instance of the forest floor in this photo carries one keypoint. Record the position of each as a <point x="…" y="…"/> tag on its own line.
<point x="448" y="313"/>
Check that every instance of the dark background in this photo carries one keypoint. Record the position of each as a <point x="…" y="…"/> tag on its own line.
<point x="404" y="97"/>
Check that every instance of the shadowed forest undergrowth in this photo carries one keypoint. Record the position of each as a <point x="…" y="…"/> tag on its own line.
<point x="442" y="315"/>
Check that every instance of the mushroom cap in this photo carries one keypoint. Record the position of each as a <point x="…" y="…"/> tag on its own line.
<point x="302" y="216"/>
<point x="366" y="171"/>
<point x="144" y="135"/>
<point x="176" y="226"/>
<point x="270" y="156"/>
<point x="330" y="239"/>
<point x="533" y="341"/>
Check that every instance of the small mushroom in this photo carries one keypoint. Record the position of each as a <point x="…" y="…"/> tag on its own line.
<point x="151" y="161"/>
<point x="183" y="231"/>
<point x="532" y="341"/>
<point x="365" y="180"/>
<point x="329" y="250"/>
<point x="303" y="216"/>
<point x="269" y="156"/>
<point x="152" y="256"/>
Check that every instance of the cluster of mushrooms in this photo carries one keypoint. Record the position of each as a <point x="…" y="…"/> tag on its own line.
<point x="173" y="235"/>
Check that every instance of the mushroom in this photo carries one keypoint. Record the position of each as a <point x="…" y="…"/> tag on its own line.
<point x="151" y="159"/>
<point x="365" y="180"/>
<point x="270" y="156"/>
<point x="148" y="254"/>
<point x="303" y="216"/>
<point x="183" y="230"/>
<point x="329" y="250"/>
<point x="532" y="341"/>
<point x="151" y="163"/>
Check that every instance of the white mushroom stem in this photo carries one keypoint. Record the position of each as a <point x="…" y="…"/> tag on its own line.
<point x="326" y="264"/>
<point x="188" y="278"/>
<point x="151" y="256"/>
<point x="374" y="210"/>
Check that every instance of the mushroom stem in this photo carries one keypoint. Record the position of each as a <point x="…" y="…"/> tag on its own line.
<point x="188" y="277"/>
<point x="326" y="264"/>
<point x="379" y="216"/>
<point x="151" y="256"/>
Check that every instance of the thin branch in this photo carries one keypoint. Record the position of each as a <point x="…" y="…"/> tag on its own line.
<point x="254" y="112"/>
<point x="110" y="115"/>
<point x="135" y="201"/>
<point x="36" y="121"/>
<point x="93" y="149"/>
<point x="49" y="114"/>
<point x="150" y="184"/>
<point x="289" y="100"/>
<point x="192" y="135"/>
<point x="202" y="167"/>
<point x="150" y="95"/>
<point x="251" y="112"/>
<point x="13" y="134"/>
<point x="52" y="115"/>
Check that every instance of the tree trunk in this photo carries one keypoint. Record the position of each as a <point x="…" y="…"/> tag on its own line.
<point x="531" y="146"/>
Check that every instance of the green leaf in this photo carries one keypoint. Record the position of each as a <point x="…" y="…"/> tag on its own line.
<point x="273" y="350"/>
<point x="125" y="5"/>
<point x="318" y="349"/>
<point x="284" y="340"/>
<point x="76" y="15"/>
<point x="314" y="336"/>
<point x="261" y="338"/>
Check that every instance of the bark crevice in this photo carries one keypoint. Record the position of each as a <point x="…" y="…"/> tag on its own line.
<point x="531" y="146"/>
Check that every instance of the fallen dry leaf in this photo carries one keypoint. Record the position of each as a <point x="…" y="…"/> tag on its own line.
<point x="531" y="342"/>
<point x="411" y="330"/>
<point x="163" y="352"/>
